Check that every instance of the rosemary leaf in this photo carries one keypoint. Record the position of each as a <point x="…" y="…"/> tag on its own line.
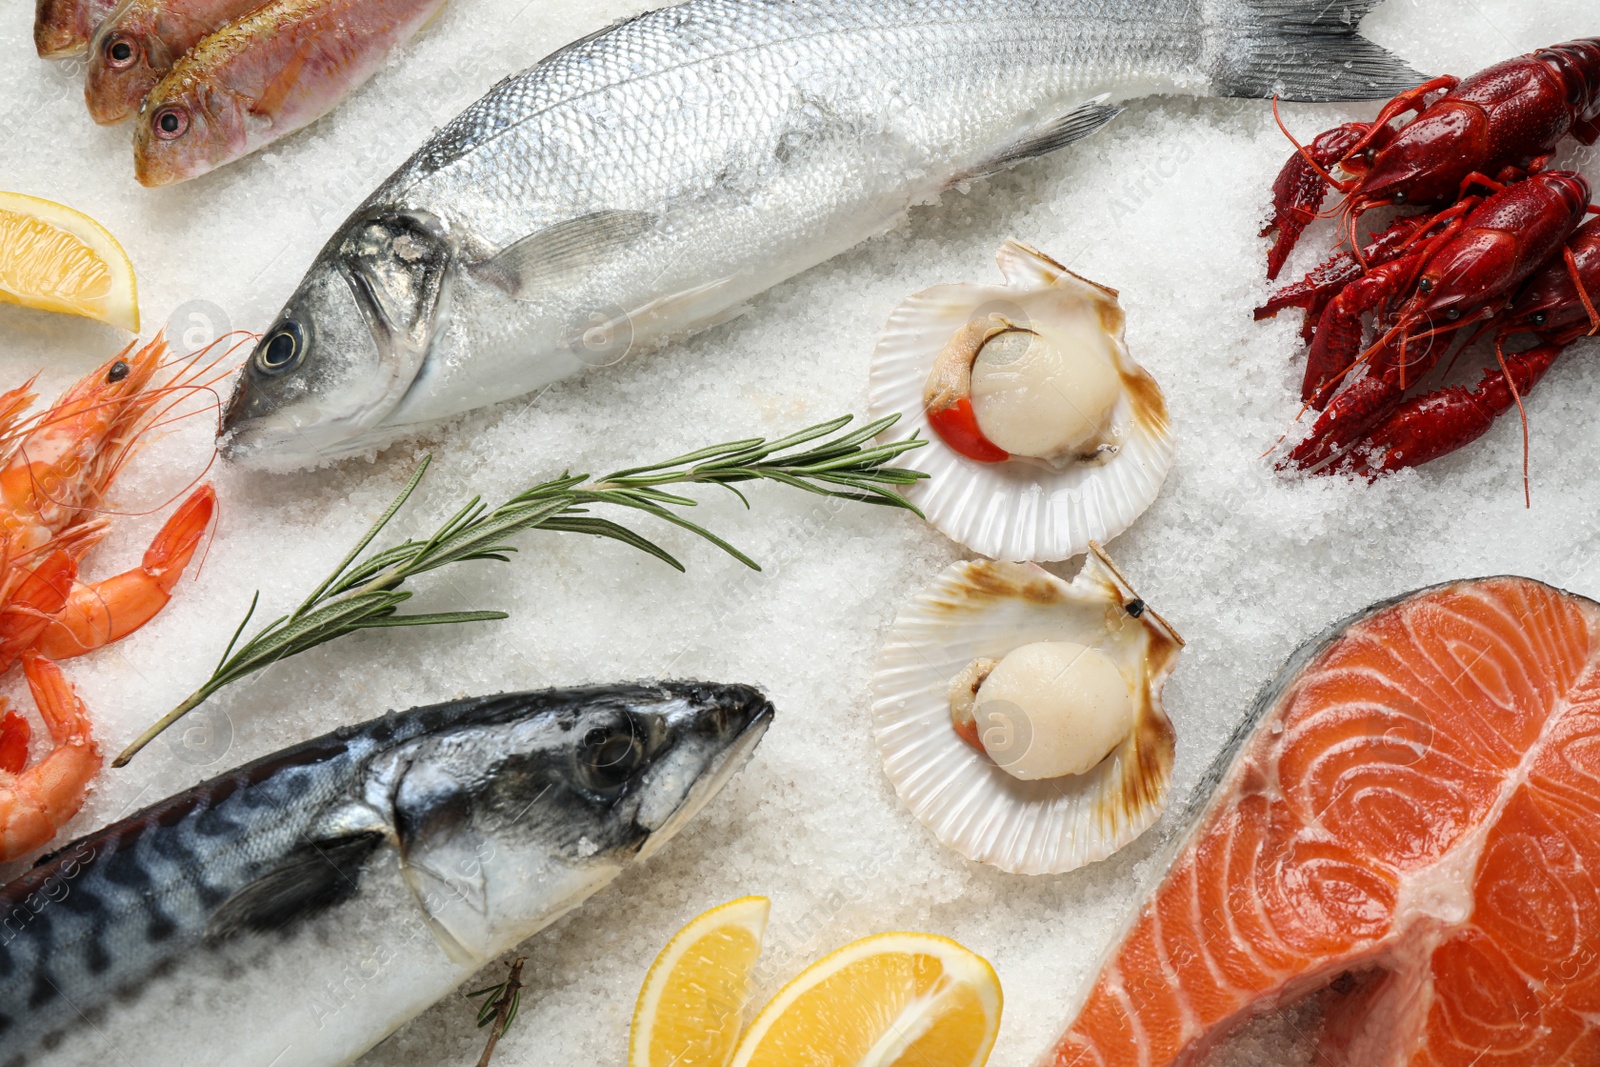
<point x="606" y="528"/>
<point x="363" y="591"/>
<point x="372" y="531"/>
<point x="434" y="619"/>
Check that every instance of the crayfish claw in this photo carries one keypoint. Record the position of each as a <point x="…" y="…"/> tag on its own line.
<point x="1301" y="187"/>
<point x="1437" y="423"/>
<point x="1350" y="416"/>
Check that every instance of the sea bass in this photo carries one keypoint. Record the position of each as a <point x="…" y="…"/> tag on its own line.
<point x="644" y="181"/>
<point x="318" y="898"/>
<point x="1403" y="828"/>
<point x="275" y="70"/>
<point x="140" y="41"/>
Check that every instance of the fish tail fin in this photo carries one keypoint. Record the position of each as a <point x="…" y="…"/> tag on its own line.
<point x="1309" y="50"/>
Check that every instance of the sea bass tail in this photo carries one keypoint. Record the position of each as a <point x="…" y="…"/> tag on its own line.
<point x="1307" y="50"/>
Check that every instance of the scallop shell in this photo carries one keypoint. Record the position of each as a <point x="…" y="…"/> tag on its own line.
<point x="980" y="608"/>
<point x="1020" y="510"/>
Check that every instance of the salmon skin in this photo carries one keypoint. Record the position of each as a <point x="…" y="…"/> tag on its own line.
<point x="1403" y="828"/>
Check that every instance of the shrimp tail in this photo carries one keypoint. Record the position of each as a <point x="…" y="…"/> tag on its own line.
<point x="38" y="802"/>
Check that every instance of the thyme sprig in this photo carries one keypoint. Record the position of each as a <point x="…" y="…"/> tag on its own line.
<point x="364" y="593"/>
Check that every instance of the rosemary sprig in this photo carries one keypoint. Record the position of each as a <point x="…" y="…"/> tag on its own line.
<point x="364" y="593"/>
<point x="499" y="1007"/>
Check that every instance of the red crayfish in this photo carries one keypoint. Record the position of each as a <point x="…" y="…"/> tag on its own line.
<point x="1499" y="249"/>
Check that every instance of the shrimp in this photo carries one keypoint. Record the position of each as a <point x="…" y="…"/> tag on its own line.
<point x="37" y="801"/>
<point x="55" y="471"/>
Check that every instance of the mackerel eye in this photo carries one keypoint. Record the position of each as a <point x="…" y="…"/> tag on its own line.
<point x="282" y="350"/>
<point x="610" y="756"/>
<point x="170" y="123"/>
<point x="120" y="53"/>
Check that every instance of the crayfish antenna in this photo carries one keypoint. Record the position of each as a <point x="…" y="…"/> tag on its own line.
<point x="1500" y="357"/>
<point x="1583" y="294"/>
<point x="1305" y="153"/>
<point x="1366" y="356"/>
<point x="1285" y="434"/>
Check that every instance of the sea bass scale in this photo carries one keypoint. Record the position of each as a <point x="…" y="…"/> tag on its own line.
<point x="645" y="181"/>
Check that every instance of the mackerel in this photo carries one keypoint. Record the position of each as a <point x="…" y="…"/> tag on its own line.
<point x="319" y="897"/>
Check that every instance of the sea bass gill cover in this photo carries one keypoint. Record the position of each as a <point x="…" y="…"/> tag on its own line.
<point x="642" y="182"/>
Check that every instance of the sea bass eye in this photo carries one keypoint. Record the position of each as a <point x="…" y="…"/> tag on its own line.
<point x="119" y="53"/>
<point x="281" y="350"/>
<point x="170" y="122"/>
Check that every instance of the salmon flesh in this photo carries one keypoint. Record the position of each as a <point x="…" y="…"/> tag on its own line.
<point x="1404" y="828"/>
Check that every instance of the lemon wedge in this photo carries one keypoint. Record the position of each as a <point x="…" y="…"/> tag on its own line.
<point x="894" y="1000"/>
<point x="57" y="259"/>
<point x="691" y="1007"/>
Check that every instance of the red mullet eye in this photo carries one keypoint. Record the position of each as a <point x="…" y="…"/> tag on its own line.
<point x="119" y="53"/>
<point x="170" y="122"/>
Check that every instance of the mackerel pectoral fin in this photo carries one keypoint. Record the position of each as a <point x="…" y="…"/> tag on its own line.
<point x="439" y="894"/>
<point x="559" y="254"/>
<point x="314" y="877"/>
<point x="1075" y="125"/>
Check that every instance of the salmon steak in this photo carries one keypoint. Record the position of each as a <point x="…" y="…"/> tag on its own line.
<point x="1405" y="828"/>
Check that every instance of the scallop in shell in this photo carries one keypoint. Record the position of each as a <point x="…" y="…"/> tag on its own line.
<point x="980" y="618"/>
<point x="1045" y="435"/>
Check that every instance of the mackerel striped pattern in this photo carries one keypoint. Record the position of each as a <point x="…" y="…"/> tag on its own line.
<point x="110" y="909"/>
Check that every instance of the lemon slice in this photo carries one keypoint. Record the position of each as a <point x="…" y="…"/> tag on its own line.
<point x="57" y="259"/>
<point x="894" y="1000"/>
<point x="691" y="1006"/>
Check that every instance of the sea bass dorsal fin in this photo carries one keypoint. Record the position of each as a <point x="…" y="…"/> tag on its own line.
<point x="1075" y="125"/>
<point x="312" y="878"/>
<point x="558" y="253"/>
